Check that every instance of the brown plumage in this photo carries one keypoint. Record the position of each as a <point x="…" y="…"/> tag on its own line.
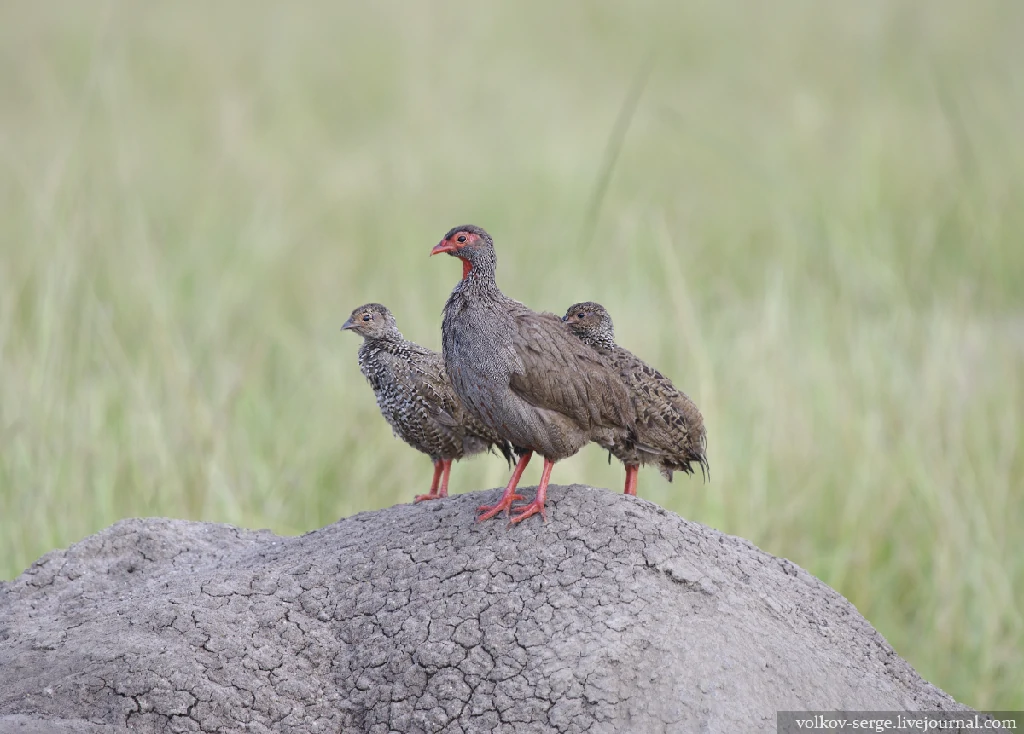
<point x="416" y="397"/>
<point x="522" y="373"/>
<point x="669" y="427"/>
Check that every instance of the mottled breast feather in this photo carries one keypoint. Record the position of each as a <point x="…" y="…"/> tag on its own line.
<point x="417" y="399"/>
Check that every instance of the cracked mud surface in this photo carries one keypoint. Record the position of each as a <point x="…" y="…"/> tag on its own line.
<point x="615" y="616"/>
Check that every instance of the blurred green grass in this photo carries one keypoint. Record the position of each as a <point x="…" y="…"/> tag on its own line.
<point x="815" y="228"/>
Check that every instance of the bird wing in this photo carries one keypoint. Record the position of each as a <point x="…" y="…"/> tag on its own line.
<point x="561" y="373"/>
<point x="444" y="406"/>
<point x="669" y="424"/>
<point x="434" y="390"/>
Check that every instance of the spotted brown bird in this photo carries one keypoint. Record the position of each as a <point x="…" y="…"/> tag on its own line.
<point x="416" y="397"/>
<point x="522" y="374"/>
<point x="669" y="427"/>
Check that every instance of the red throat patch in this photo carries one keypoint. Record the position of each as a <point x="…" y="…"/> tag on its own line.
<point x="466" y="267"/>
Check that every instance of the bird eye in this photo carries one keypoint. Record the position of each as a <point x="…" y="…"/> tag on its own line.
<point x="461" y="238"/>
<point x="366" y="317"/>
<point x="580" y="315"/>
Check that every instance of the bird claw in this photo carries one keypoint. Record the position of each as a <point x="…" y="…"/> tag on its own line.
<point x="423" y="497"/>
<point x="526" y="511"/>
<point x="490" y="511"/>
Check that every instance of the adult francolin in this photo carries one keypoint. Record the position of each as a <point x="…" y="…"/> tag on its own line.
<point x="669" y="427"/>
<point x="416" y="397"/>
<point x="522" y="373"/>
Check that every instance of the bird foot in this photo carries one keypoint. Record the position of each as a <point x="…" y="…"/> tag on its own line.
<point x="526" y="510"/>
<point x="505" y="504"/>
<point x="431" y="496"/>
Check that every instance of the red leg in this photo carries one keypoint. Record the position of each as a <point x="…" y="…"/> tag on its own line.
<point x="447" y="466"/>
<point x="438" y="466"/>
<point x="631" y="476"/>
<point x="509" y="495"/>
<point x="538" y="502"/>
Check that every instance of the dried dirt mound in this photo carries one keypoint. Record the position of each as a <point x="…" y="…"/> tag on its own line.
<point x="614" y="616"/>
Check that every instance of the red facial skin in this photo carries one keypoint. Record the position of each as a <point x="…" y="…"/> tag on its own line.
<point x="452" y="245"/>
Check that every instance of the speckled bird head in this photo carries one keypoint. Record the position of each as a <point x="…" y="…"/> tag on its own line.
<point x="473" y="246"/>
<point x="373" y="321"/>
<point x="591" y="323"/>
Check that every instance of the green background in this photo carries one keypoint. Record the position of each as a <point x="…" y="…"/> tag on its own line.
<point x="814" y="227"/>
